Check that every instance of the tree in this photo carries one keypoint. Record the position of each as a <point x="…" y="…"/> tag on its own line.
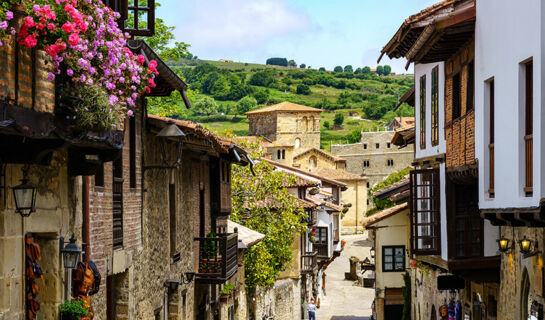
<point x="348" y="69"/>
<point x="339" y="119"/>
<point x="358" y="71"/>
<point x="338" y="69"/>
<point x="354" y="136"/>
<point x="303" y="66"/>
<point x="221" y="88"/>
<point x="262" y="78"/>
<point x="292" y="63"/>
<point x="261" y="95"/>
<point x="387" y="70"/>
<point x="303" y="89"/>
<point x="277" y="62"/>
<point x="366" y="70"/>
<point x="262" y="203"/>
<point x="246" y="104"/>
<point x="321" y="69"/>
<point x="380" y="70"/>
<point x="327" y="125"/>
<point x="205" y="106"/>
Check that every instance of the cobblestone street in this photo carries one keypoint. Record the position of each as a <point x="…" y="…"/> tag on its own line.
<point x="344" y="299"/>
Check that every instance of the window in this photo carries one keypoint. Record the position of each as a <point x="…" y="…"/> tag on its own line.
<point x="278" y="154"/>
<point x="470" y="97"/>
<point x="172" y="219"/>
<point x="99" y="176"/>
<point x="435" y="106"/>
<point x="297" y="143"/>
<point x="366" y="163"/>
<point x="365" y="146"/>
<point x="456" y="97"/>
<point x="491" y="138"/>
<point x="425" y="211"/>
<point x="367" y="201"/>
<point x="423" y="112"/>
<point x="390" y="163"/>
<point x="528" y="130"/>
<point x="138" y="15"/>
<point x="283" y="154"/>
<point x="393" y="258"/>
<point x="321" y="244"/>
<point x="468" y="223"/>
<point x="368" y="185"/>
<point x="313" y="161"/>
<point x="377" y="145"/>
<point x="132" y="152"/>
<point x="388" y="145"/>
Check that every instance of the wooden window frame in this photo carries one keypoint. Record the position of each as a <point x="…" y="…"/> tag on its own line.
<point x="423" y="112"/>
<point x="432" y="198"/>
<point x="528" y="127"/>
<point x="491" y="106"/>
<point x="435" y="106"/>
<point x="456" y="96"/>
<point x="125" y="7"/>
<point x="132" y="152"/>
<point x="470" y="90"/>
<point x="394" y="269"/>
<point x="319" y="231"/>
<point x="117" y="196"/>
<point x="463" y="214"/>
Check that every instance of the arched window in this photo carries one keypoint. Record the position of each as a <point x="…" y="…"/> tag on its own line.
<point x="305" y="124"/>
<point x="278" y="154"/>
<point x="283" y="154"/>
<point x="297" y="143"/>
<point x="313" y="162"/>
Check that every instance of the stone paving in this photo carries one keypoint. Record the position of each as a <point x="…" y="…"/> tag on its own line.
<point x="344" y="300"/>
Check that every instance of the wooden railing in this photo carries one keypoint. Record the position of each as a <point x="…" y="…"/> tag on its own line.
<point x="217" y="261"/>
<point x="528" y="187"/>
<point x="321" y="248"/>
<point x="491" y="171"/>
<point x="309" y="261"/>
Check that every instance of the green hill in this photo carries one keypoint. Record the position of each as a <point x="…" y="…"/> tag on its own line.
<point x="365" y="99"/>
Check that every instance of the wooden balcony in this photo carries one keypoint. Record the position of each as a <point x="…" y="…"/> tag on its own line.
<point x="309" y="262"/>
<point x="217" y="260"/>
<point x="321" y="248"/>
<point x="312" y="217"/>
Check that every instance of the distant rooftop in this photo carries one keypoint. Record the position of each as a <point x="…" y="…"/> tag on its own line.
<point x="284" y="106"/>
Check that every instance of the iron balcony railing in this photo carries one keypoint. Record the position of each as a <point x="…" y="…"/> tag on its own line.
<point x="309" y="262"/>
<point x="217" y="260"/>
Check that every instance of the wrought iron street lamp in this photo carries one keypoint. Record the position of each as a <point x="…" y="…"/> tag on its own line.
<point x="25" y="196"/>
<point x="525" y="245"/>
<point x="171" y="131"/>
<point x="70" y="253"/>
<point x="188" y="277"/>
<point x="504" y="244"/>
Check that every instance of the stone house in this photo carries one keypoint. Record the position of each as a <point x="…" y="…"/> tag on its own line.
<point x="449" y="238"/>
<point x="400" y="122"/>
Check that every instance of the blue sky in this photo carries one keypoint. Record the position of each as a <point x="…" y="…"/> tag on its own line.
<point x="315" y="32"/>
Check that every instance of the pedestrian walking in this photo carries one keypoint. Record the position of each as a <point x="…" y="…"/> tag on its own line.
<point x="311" y="310"/>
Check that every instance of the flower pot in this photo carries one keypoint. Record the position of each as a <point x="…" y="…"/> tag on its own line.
<point x="65" y="316"/>
<point x="224" y="298"/>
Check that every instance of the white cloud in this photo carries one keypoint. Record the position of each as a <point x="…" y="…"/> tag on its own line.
<point x="239" y="24"/>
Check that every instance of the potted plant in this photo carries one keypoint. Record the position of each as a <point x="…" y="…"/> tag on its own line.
<point x="226" y="291"/>
<point x="75" y="310"/>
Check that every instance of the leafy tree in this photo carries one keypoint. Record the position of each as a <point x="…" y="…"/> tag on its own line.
<point x="321" y="69"/>
<point x="292" y="63"/>
<point x="220" y="88"/>
<point x="261" y="95"/>
<point x="277" y="62"/>
<point x="354" y="136"/>
<point x="387" y="70"/>
<point x="366" y="70"/>
<point x="262" y="79"/>
<point x="338" y="69"/>
<point x="161" y="40"/>
<point x="389" y="116"/>
<point x="405" y="110"/>
<point x="348" y="69"/>
<point x="205" y="106"/>
<point x="358" y="71"/>
<point x="303" y="66"/>
<point x="303" y="89"/>
<point x="380" y="70"/>
<point x="339" y="119"/>
<point x="327" y="125"/>
<point x="261" y="203"/>
<point x="246" y="104"/>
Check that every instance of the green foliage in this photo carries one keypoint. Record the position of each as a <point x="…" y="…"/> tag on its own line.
<point x="339" y="119"/>
<point x="205" y="106"/>
<point x="303" y="66"/>
<point x="387" y="70"/>
<point x="227" y="289"/>
<point x="380" y="70"/>
<point x="261" y="95"/>
<point x="389" y="116"/>
<point x="76" y="308"/>
<point x="277" y="62"/>
<point x="303" y="89"/>
<point x="348" y="69"/>
<point x="263" y="78"/>
<point x="246" y="104"/>
<point x="292" y="63"/>
<point x="327" y="125"/>
<point x="321" y="69"/>
<point x="338" y="69"/>
<point x="261" y="203"/>
<point x="406" y="289"/>
<point x="366" y="70"/>
<point x="354" y="136"/>
<point x="391" y="179"/>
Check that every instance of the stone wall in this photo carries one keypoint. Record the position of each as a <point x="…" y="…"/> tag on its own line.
<point x="304" y="126"/>
<point x="356" y="194"/>
<point x="321" y="161"/>
<point x="263" y="125"/>
<point x="378" y="169"/>
<point x="282" y="301"/>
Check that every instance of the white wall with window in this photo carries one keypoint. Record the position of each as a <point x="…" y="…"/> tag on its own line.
<point x="503" y="48"/>
<point x="433" y="90"/>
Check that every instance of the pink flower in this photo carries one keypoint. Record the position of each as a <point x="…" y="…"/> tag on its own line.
<point x="51" y="76"/>
<point x="68" y="27"/>
<point x="9" y="15"/>
<point x="30" y="41"/>
<point x="141" y="59"/>
<point x="3" y="25"/>
<point x="130" y="113"/>
<point x="51" y="26"/>
<point x="73" y="39"/>
<point x="29" y="22"/>
<point x="70" y="72"/>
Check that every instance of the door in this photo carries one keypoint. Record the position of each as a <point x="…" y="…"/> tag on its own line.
<point x="393" y="312"/>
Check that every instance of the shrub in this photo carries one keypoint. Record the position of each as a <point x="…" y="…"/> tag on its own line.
<point x="339" y="119"/>
<point x="327" y="125"/>
<point x="303" y="89"/>
<point x="246" y="104"/>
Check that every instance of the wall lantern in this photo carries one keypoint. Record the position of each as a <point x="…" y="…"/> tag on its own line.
<point x="525" y="245"/>
<point x="25" y="196"/>
<point x="171" y="131"/>
<point x="372" y="252"/>
<point x="504" y="244"/>
<point x="70" y="253"/>
<point x="172" y="285"/>
<point x="188" y="277"/>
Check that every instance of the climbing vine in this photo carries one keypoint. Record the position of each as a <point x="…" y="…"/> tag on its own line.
<point x="261" y="203"/>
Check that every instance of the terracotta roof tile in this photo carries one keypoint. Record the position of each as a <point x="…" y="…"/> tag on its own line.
<point x="248" y="236"/>
<point x="338" y="174"/>
<point x="284" y="106"/>
<point x="386" y="213"/>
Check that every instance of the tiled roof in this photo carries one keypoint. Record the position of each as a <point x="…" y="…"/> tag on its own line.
<point x="395" y="190"/>
<point x="248" y="236"/>
<point x="284" y="106"/>
<point x="404" y="136"/>
<point x="321" y="202"/>
<point x="405" y="121"/>
<point x="326" y="154"/>
<point x="386" y="213"/>
<point x="338" y="174"/>
<point x="298" y="171"/>
<point x="429" y="11"/>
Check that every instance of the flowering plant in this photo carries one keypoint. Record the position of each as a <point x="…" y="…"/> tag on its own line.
<point x="77" y="308"/>
<point x="343" y="243"/>
<point x="88" y="48"/>
<point x="422" y="268"/>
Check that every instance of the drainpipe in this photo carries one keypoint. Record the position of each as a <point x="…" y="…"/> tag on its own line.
<point x="85" y="207"/>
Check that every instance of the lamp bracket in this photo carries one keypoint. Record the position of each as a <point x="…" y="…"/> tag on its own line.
<point x="530" y="254"/>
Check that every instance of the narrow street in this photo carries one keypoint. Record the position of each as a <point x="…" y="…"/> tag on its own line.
<point x="344" y="299"/>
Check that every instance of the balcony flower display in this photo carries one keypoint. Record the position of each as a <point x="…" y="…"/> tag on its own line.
<point x="422" y="268"/>
<point x="88" y="49"/>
